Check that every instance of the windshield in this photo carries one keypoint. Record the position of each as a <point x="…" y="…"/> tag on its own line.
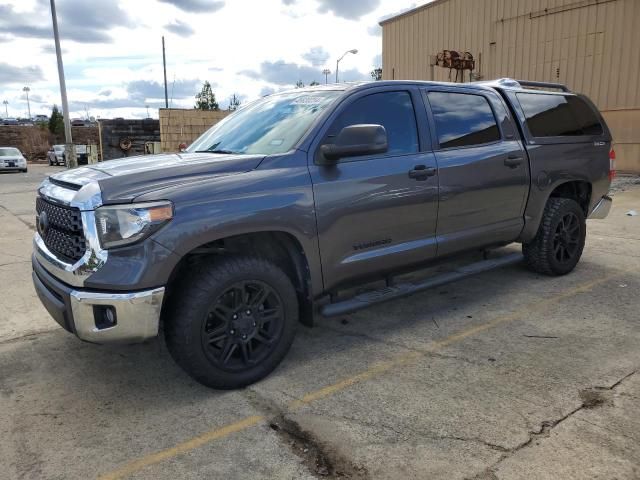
<point x="9" y="152"/>
<point x="58" y="148"/>
<point x="271" y="125"/>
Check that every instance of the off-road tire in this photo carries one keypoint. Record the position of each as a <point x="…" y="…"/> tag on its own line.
<point x="539" y="253"/>
<point x="190" y="305"/>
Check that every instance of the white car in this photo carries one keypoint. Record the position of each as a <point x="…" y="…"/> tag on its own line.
<point x="12" y="159"/>
<point x="56" y="155"/>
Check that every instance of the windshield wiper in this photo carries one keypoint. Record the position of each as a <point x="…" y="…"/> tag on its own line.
<point x="217" y="151"/>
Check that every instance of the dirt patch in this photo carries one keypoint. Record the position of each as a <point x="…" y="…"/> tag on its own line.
<point x="322" y="461"/>
<point x="596" y="397"/>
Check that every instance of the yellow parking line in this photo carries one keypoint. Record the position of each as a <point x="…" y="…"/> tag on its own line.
<point x="183" y="447"/>
<point x="374" y="371"/>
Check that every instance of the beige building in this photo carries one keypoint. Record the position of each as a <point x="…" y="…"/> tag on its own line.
<point x="592" y="46"/>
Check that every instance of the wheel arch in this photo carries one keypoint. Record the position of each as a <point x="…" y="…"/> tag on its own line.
<point x="576" y="189"/>
<point x="282" y="248"/>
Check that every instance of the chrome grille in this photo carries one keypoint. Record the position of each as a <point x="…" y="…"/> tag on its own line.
<point x="63" y="233"/>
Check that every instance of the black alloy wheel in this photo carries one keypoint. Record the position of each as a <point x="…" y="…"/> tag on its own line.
<point x="242" y="326"/>
<point x="566" y="240"/>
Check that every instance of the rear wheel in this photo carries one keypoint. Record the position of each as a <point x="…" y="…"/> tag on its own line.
<point x="558" y="244"/>
<point x="232" y="322"/>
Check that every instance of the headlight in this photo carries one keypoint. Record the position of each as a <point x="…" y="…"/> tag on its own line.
<point x="120" y="225"/>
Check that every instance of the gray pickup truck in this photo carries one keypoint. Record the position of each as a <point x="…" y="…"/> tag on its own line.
<point x="275" y="212"/>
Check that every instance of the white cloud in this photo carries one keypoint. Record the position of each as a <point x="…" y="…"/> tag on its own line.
<point x="278" y="40"/>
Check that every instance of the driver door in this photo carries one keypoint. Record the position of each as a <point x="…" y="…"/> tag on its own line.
<point x="376" y="213"/>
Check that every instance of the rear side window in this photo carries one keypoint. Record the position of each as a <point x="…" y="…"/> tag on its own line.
<point x="393" y="110"/>
<point x="587" y="118"/>
<point x="463" y="120"/>
<point x="558" y="115"/>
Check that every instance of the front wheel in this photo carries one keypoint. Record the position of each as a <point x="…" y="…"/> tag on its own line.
<point x="232" y="322"/>
<point x="558" y="244"/>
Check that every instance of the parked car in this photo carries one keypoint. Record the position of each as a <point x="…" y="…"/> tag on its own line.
<point x="12" y="159"/>
<point x="295" y="201"/>
<point x="10" y="121"/>
<point x="56" y="155"/>
<point x="40" y="119"/>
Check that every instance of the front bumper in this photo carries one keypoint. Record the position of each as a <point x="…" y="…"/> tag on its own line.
<point x="601" y="210"/>
<point x="17" y="166"/>
<point x="135" y="315"/>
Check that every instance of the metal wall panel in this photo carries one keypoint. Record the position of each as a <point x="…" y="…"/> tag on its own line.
<point x="589" y="45"/>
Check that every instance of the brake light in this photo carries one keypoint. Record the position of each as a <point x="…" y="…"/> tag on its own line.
<point x="612" y="164"/>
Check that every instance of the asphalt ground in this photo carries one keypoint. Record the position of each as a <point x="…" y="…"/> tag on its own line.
<point x="504" y="375"/>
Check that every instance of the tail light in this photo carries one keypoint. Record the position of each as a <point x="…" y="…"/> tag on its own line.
<point x="612" y="164"/>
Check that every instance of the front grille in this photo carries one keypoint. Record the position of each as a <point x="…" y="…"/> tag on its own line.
<point x="63" y="234"/>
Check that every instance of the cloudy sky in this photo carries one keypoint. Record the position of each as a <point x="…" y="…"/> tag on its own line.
<point x="112" y="50"/>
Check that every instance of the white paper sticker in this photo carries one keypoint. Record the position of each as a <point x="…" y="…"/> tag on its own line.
<point x="307" y="100"/>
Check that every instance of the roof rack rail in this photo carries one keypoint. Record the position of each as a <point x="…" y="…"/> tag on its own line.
<point x="531" y="83"/>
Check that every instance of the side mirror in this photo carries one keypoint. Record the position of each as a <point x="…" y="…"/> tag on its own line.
<point x="353" y="141"/>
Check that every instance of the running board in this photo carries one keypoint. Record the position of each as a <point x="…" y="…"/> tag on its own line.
<point x="367" y="299"/>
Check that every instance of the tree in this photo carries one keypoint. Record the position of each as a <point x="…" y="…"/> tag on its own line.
<point x="314" y="83"/>
<point x="376" y="73"/>
<point x="299" y="84"/>
<point x="56" y="121"/>
<point x="234" y="103"/>
<point x="206" y="99"/>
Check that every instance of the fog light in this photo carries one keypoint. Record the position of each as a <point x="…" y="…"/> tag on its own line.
<point x="104" y="316"/>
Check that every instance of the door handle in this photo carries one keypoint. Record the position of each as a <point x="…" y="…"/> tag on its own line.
<point x="512" y="161"/>
<point x="422" y="172"/>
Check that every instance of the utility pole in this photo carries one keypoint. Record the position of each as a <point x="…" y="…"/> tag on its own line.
<point x="70" y="151"/>
<point x="326" y="72"/>
<point x="26" y="90"/>
<point x="164" y="66"/>
<point x="6" y="108"/>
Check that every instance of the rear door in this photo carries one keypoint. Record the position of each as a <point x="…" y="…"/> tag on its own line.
<point x="483" y="171"/>
<point x="377" y="213"/>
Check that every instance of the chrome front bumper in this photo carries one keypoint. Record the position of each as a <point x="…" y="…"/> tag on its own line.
<point x="601" y="210"/>
<point x="135" y="315"/>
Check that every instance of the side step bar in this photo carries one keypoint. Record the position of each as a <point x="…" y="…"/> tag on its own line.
<point x="367" y="299"/>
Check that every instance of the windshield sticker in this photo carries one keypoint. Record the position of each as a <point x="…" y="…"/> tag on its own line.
<point x="307" y="100"/>
<point x="276" y="142"/>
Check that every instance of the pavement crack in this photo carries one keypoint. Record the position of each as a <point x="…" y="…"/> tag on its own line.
<point x="24" y="222"/>
<point x="588" y="401"/>
<point x="26" y="336"/>
<point x="320" y="459"/>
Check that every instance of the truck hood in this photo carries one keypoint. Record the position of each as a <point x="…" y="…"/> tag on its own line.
<point x="123" y="180"/>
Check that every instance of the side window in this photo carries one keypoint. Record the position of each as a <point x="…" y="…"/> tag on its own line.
<point x="393" y="110"/>
<point x="549" y="115"/>
<point x="587" y="118"/>
<point x="462" y="119"/>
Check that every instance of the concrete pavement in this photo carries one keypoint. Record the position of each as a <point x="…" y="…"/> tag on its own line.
<point x="504" y="375"/>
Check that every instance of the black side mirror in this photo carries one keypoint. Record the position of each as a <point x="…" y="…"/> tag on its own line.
<point x="353" y="141"/>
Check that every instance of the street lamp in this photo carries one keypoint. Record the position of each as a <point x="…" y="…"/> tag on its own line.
<point x="6" y="109"/>
<point x="326" y="72"/>
<point x="26" y="90"/>
<point x="354" y="51"/>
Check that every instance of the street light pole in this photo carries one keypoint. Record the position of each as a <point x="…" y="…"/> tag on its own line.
<point x="6" y="108"/>
<point x="26" y="90"/>
<point x="70" y="151"/>
<point x="353" y="50"/>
